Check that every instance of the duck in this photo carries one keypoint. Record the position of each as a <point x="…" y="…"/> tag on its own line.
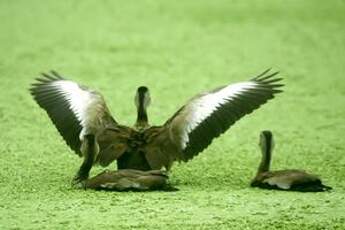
<point x="84" y="121"/>
<point x="129" y="180"/>
<point x="288" y="179"/>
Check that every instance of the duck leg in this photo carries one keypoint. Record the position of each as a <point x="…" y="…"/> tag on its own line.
<point x="89" y="150"/>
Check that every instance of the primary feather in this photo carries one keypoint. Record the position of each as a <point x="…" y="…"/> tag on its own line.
<point x="208" y="115"/>
<point x="75" y="110"/>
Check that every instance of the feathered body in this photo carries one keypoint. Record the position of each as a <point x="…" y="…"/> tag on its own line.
<point x="288" y="179"/>
<point x="129" y="179"/>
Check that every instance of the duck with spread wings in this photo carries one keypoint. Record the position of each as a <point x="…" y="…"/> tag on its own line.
<point x="85" y="123"/>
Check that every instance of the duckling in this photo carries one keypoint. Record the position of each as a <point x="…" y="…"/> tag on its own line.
<point x="84" y="121"/>
<point x="129" y="179"/>
<point x="289" y="179"/>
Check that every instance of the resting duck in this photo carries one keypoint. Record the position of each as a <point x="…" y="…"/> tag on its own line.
<point x="129" y="179"/>
<point x="289" y="179"/>
<point x="84" y="121"/>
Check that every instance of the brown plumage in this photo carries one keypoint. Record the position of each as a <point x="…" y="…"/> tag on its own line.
<point x="129" y="179"/>
<point x="289" y="179"/>
<point x="84" y="121"/>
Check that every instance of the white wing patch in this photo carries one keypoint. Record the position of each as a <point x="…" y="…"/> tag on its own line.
<point x="204" y="106"/>
<point x="280" y="182"/>
<point x="85" y="104"/>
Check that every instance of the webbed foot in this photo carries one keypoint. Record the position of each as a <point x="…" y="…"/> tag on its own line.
<point x="78" y="182"/>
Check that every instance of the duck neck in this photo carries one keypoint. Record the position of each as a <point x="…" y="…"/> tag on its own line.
<point x="266" y="151"/>
<point x="142" y="120"/>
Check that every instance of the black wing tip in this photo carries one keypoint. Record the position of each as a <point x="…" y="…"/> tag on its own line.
<point x="268" y="80"/>
<point x="44" y="79"/>
<point x="266" y="75"/>
<point x="49" y="77"/>
<point x="277" y="91"/>
<point x="263" y="73"/>
<point x="56" y="74"/>
<point x="52" y="75"/>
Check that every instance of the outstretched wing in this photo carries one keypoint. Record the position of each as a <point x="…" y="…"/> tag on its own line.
<point x="75" y="110"/>
<point x="193" y="127"/>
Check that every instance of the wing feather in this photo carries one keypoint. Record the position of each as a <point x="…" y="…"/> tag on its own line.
<point x="193" y="127"/>
<point x="75" y="110"/>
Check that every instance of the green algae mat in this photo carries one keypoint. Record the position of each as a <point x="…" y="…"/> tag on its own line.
<point x="177" y="49"/>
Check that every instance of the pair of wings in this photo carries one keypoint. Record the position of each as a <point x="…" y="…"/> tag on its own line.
<point x="76" y="110"/>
